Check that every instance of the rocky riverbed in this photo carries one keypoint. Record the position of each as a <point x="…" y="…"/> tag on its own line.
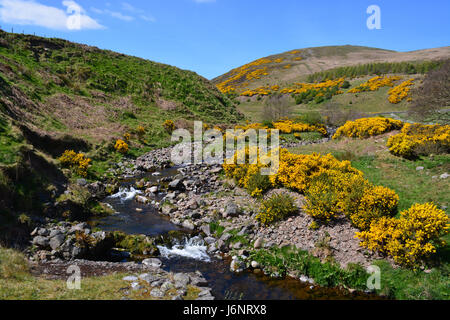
<point x="201" y="201"/>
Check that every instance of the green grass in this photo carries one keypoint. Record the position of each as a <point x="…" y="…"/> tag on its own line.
<point x="10" y="143"/>
<point x="404" y="284"/>
<point x="16" y="283"/>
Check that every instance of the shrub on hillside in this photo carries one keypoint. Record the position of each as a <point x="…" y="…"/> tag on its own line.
<point x="121" y="146"/>
<point x="377" y="202"/>
<point x="417" y="139"/>
<point x="411" y="238"/>
<point x="169" y="126"/>
<point x="367" y="127"/>
<point x="276" y="208"/>
<point x="76" y="161"/>
<point x="334" y="193"/>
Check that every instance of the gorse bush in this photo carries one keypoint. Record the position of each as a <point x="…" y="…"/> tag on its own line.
<point x="296" y="171"/>
<point x="367" y="127"/>
<point x="335" y="189"/>
<point x="169" y="126"/>
<point x="400" y="92"/>
<point x="258" y="184"/>
<point x="276" y="208"/>
<point x="121" y="146"/>
<point x="289" y="126"/>
<point x="377" y="202"/>
<point x="76" y="161"/>
<point x="411" y="238"/>
<point x="334" y="193"/>
<point x="417" y="139"/>
<point x="375" y="83"/>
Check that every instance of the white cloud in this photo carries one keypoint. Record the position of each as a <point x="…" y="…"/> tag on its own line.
<point x="136" y="13"/>
<point x="128" y="7"/>
<point x="30" y="12"/>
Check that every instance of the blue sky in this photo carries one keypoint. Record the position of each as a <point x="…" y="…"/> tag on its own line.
<point x="211" y="37"/>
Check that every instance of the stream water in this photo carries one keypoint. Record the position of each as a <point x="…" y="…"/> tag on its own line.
<point x="191" y="255"/>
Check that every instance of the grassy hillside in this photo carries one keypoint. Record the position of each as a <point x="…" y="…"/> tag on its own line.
<point x="57" y="87"/>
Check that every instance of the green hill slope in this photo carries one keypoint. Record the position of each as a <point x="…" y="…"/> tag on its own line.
<point x="56" y="88"/>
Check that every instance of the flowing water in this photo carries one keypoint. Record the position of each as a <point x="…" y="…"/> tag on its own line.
<point x="191" y="255"/>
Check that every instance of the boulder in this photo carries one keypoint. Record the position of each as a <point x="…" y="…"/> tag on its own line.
<point x="258" y="243"/>
<point x="41" y="241"/>
<point x="57" y="241"/>
<point x="152" y="262"/>
<point x="176" y="184"/>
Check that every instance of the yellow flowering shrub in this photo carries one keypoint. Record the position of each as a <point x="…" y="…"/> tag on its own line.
<point x="121" y="146"/>
<point x="243" y="173"/>
<point x="375" y="83"/>
<point x="296" y="171"/>
<point x="127" y="136"/>
<point x="77" y="161"/>
<point x="239" y="77"/>
<point x="140" y="131"/>
<point x="411" y="238"/>
<point x="418" y="139"/>
<point x="400" y="92"/>
<point x="276" y="208"/>
<point x="289" y="126"/>
<point x="333" y="193"/>
<point x="367" y="127"/>
<point x="377" y="202"/>
<point x="169" y="126"/>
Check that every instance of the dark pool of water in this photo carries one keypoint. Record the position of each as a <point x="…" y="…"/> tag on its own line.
<point x="224" y="283"/>
<point x="250" y="286"/>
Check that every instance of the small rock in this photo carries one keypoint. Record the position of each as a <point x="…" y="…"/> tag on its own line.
<point x="152" y="262"/>
<point x="188" y="225"/>
<point x="420" y="168"/>
<point x="157" y="293"/>
<point x="81" y="182"/>
<point x="206" y="229"/>
<point x="255" y="264"/>
<point x="41" y="241"/>
<point x="258" y="243"/>
<point x="176" y="185"/>
<point x="142" y="199"/>
<point x="57" y="241"/>
<point x="444" y="176"/>
<point x="231" y="210"/>
<point x="130" y="278"/>
<point x="181" y="280"/>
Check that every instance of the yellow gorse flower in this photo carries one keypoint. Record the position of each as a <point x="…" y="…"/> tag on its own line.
<point x="77" y="161"/>
<point x="367" y="127"/>
<point x="121" y="146"/>
<point x="416" y="139"/>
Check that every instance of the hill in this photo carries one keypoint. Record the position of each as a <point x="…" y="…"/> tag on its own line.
<point x="75" y="95"/>
<point x="296" y="65"/>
